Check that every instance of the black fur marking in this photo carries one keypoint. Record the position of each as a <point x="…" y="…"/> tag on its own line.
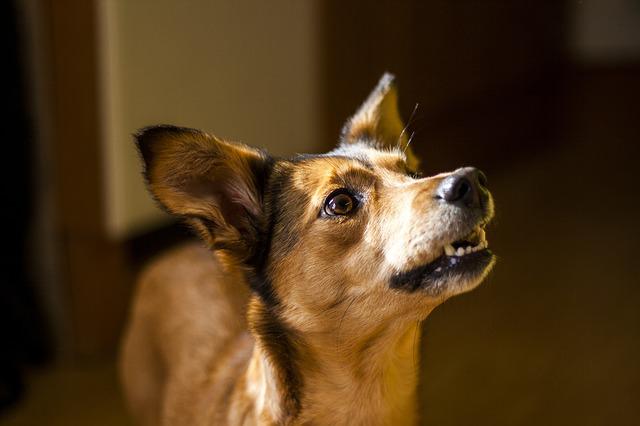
<point x="440" y="270"/>
<point x="278" y="341"/>
<point x="280" y="344"/>
<point x="280" y="203"/>
<point x="258" y="278"/>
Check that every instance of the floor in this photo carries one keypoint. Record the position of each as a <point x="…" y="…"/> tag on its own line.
<point x="79" y="394"/>
<point x="552" y="337"/>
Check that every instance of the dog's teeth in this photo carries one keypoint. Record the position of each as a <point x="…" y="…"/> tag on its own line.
<point x="449" y="250"/>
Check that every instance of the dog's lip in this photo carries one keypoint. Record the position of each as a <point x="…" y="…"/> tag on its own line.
<point x="432" y="274"/>
<point x="466" y="263"/>
<point x="463" y="261"/>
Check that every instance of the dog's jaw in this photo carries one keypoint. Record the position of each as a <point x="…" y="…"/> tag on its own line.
<point x="462" y="264"/>
<point x="447" y="275"/>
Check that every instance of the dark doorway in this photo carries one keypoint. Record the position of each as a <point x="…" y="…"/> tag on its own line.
<point x="22" y="330"/>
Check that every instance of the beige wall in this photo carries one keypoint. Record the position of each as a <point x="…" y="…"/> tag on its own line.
<point x="606" y="30"/>
<point x="243" y="70"/>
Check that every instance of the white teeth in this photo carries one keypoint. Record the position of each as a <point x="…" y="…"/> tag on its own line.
<point x="449" y="250"/>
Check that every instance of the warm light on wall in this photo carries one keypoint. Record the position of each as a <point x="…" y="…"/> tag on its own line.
<point x="215" y="65"/>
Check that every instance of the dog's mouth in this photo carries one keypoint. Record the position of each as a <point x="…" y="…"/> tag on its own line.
<point x="463" y="258"/>
<point x="474" y="242"/>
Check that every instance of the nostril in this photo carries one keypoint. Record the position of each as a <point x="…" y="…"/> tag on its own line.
<point x="461" y="189"/>
<point x="455" y="188"/>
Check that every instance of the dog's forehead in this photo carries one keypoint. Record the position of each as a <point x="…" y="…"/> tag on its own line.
<point x="350" y="163"/>
<point x="383" y="157"/>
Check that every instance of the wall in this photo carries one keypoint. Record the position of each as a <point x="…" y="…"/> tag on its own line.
<point x="606" y="31"/>
<point x="243" y="70"/>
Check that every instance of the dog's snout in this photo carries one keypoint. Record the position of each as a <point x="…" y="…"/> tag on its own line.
<point x="465" y="187"/>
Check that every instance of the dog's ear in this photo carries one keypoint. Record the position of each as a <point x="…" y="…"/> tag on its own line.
<point x="378" y="122"/>
<point x="214" y="185"/>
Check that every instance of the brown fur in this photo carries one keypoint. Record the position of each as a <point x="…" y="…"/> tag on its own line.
<point x="292" y="315"/>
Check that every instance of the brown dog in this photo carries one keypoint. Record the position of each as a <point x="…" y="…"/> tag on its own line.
<point x="304" y="307"/>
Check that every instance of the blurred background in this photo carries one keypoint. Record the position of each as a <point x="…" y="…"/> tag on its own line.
<point x="543" y="96"/>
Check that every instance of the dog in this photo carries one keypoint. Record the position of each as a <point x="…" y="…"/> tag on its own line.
<point x="303" y="304"/>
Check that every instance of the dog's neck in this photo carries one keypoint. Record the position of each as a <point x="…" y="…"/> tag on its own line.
<point x="325" y="378"/>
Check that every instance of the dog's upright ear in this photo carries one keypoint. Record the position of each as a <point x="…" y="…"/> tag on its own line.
<point x="378" y="122"/>
<point x="216" y="186"/>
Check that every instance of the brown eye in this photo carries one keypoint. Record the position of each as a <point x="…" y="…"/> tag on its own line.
<point x="339" y="203"/>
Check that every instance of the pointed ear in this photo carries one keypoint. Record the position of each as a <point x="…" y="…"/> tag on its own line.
<point x="378" y="121"/>
<point x="215" y="186"/>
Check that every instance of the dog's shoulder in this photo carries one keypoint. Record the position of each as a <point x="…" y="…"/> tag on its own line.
<point x="191" y="295"/>
<point x="176" y="270"/>
<point x="189" y="306"/>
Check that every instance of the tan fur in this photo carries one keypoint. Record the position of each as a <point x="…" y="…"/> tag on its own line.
<point x="324" y="338"/>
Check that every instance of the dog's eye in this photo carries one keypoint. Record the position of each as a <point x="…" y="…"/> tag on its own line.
<point x="339" y="203"/>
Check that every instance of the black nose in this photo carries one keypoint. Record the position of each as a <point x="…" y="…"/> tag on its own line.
<point x="465" y="187"/>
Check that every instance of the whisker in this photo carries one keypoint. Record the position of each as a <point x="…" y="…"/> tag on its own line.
<point x="409" y="142"/>
<point x="413" y="113"/>
<point x="344" y="314"/>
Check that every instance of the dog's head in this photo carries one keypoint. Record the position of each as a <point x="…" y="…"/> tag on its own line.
<point x="353" y="232"/>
